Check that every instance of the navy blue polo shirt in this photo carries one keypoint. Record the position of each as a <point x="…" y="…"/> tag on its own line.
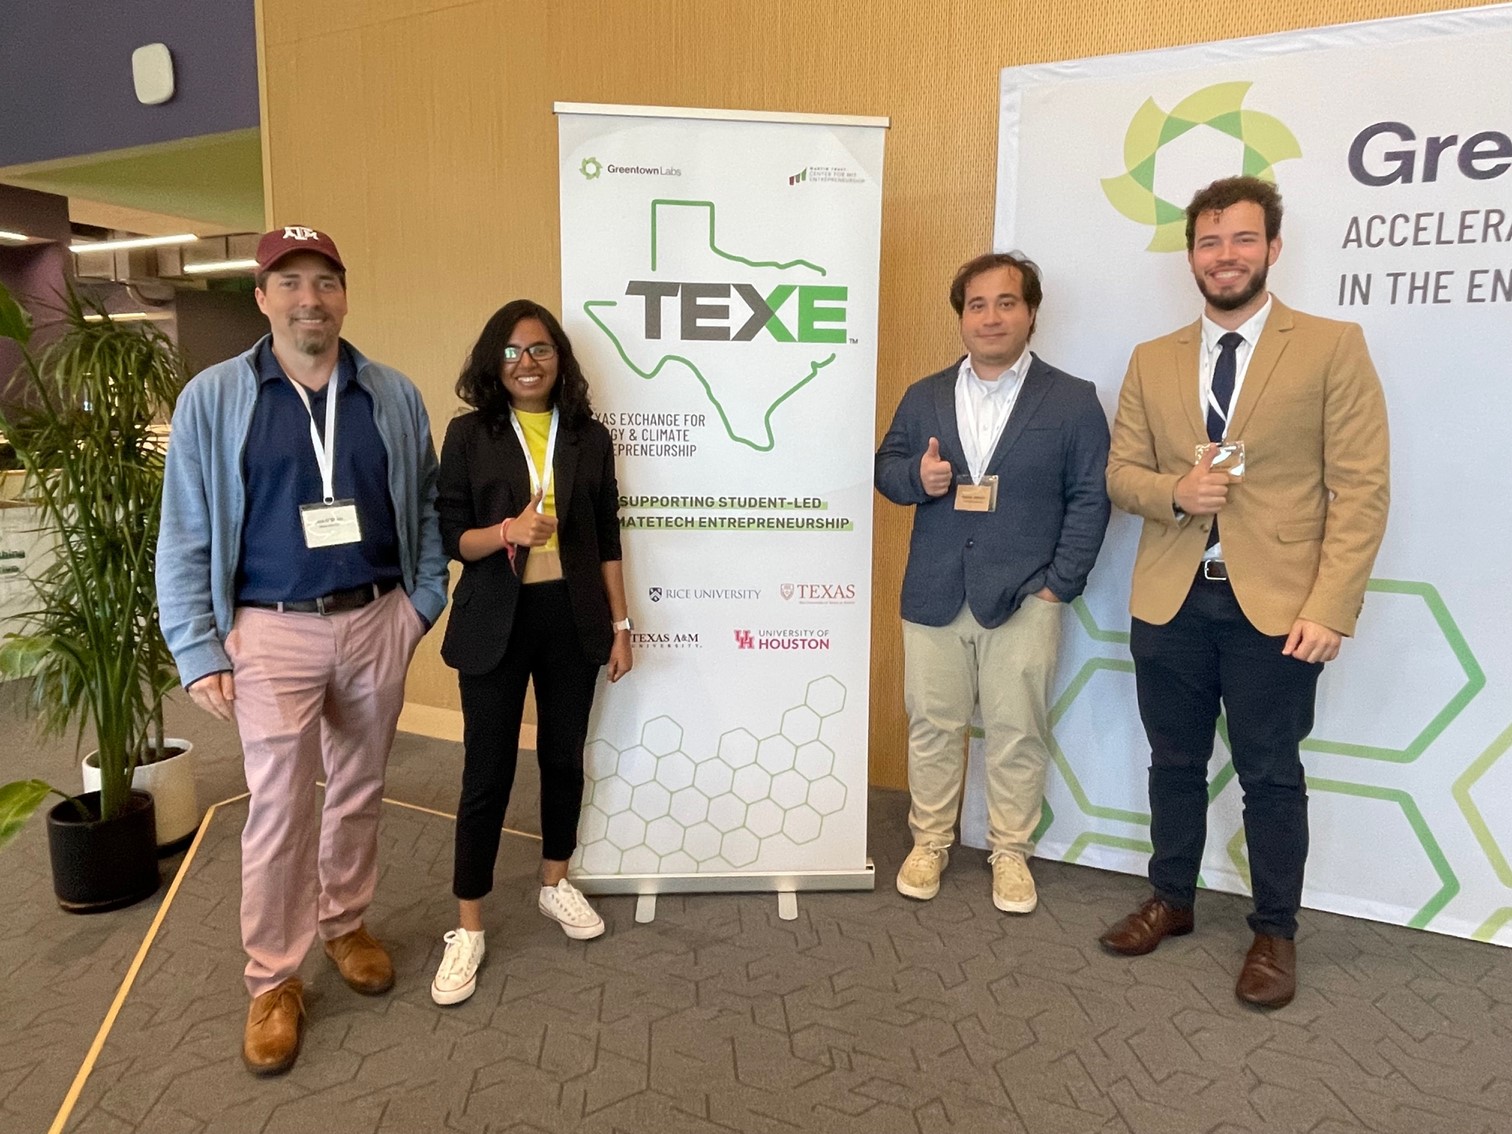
<point x="281" y="473"/>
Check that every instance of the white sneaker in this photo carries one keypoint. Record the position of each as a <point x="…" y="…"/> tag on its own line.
<point x="919" y="876"/>
<point x="457" y="978"/>
<point x="565" y="905"/>
<point x="1012" y="884"/>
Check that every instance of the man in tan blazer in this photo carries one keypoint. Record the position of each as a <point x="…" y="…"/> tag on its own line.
<point x="1246" y="580"/>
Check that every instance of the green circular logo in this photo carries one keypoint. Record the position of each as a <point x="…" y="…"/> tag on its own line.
<point x="1265" y="139"/>
<point x="590" y="168"/>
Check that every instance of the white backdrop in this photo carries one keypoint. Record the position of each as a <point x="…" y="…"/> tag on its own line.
<point x="719" y="280"/>
<point x="1411" y="801"/>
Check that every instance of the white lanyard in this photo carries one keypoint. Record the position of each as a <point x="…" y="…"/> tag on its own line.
<point x="537" y="482"/>
<point x="325" y="455"/>
<point x="979" y="451"/>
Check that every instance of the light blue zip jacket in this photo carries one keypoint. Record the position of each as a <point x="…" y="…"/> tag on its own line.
<point x="204" y="504"/>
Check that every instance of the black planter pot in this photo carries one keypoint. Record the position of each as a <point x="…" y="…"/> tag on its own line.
<point x="101" y="865"/>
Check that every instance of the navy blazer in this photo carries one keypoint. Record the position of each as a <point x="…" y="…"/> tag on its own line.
<point x="484" y="481"/>
<point x="1052" y="508"/>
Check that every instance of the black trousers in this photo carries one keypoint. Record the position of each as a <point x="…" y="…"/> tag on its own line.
<point x="1207" y="654"/>
<point x="543" y="645"/>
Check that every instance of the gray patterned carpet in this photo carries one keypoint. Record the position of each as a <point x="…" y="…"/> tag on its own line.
<point x="868" y="1014"/>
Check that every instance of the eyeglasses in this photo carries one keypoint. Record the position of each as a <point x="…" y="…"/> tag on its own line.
<point x="538" y="351"/>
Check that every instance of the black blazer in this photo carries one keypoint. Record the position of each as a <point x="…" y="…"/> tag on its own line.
<point x="484" y="480"/>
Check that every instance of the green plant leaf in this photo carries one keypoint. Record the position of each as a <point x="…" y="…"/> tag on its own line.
<point x="17" y="802"/>
<point x="22" y="654"/>
<point x="82" y="426"/>
<point x="14" y="322"/>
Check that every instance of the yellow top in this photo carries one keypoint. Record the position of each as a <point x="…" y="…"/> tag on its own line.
<point x="537" y="427"/>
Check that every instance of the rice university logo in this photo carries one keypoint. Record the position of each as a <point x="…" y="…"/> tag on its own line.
<point x="1265" y="141"/>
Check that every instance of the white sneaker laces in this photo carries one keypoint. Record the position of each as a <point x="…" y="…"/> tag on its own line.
<point x="460" y="950"/>
<point x="572" y="901"/>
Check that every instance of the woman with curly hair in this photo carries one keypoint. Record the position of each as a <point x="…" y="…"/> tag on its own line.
<point x="529" y="505"/>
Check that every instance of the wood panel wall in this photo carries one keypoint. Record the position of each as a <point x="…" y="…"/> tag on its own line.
<point x="420" y="134"/>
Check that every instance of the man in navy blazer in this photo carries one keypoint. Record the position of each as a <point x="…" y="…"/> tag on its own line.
<point x="1003" y="458"/>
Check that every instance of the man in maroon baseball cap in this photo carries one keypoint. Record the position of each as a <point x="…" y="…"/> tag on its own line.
<point x="321" y="547"/>
<point x="280" y="242"/>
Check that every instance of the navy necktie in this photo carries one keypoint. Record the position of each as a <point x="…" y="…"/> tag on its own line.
<point x="1223" y="385"/>
<point x="1222" y="395"/>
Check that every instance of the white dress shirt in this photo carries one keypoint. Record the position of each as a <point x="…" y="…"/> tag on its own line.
<point x="983" y="408"/>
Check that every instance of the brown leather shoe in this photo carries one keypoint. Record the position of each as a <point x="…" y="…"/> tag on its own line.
<point x="1146" y="927"/>
<point x="362" y="962"/>
<point x="275" y="1025"/>
<point x="1269" y="976"/>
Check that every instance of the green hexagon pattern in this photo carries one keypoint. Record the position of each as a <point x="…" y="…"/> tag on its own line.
<point x="1456" y="700"/>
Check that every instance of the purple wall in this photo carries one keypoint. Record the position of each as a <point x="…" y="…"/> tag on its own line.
<point x="35" y="274"/>
<point x="65" y="74"/>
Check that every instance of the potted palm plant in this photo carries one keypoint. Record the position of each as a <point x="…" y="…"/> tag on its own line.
<point x="85" y="422"/>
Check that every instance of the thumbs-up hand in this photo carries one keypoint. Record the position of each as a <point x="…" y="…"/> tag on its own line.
<point x="532" y="527"/>
<point x="1204" y="490"/>
<point x="934" y="472"/>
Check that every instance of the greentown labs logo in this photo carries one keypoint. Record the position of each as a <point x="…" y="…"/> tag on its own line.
<point x="592" y="169"/>
<point x="1266" y="141"/>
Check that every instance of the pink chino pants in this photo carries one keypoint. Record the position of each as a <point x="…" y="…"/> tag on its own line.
<point x="315" y="696"/>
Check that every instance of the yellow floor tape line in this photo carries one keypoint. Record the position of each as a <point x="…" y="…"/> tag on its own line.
<point x="72" y="1098"/>
<point x="87" y="1067"/>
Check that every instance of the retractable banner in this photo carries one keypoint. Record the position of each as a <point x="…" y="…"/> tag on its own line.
<point x="1391" y="142"/>
<point x="719" y="283"/>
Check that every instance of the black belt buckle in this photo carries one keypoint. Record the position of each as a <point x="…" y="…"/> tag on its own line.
<point x="1215" y="571"/>
<point x="330" y="604"/>
<point x="355" y="598"/>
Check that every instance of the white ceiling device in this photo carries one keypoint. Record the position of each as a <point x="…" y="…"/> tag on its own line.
<point x="152" y="72"/>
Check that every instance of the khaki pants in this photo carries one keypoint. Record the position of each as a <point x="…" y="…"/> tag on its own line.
<point x="947" y="670"/>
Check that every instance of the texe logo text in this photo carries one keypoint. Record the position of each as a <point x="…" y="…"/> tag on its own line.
<point x="703" y="311"/>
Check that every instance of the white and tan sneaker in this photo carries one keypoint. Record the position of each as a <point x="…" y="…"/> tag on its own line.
<point x="919" y="876"/>
<point x="564" y="904"/>
<point x="457" y="978"/>
<point x="1012" y="884"/>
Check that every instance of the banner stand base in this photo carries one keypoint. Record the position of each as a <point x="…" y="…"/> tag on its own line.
<point x="733" y="882"/>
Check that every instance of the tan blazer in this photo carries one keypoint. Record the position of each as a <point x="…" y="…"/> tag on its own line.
<point x="1301" y="532"/>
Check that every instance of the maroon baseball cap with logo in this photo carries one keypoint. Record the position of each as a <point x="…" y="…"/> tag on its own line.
<point x="281" y="242"/>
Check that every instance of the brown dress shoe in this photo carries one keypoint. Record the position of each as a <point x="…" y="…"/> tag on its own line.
<point x="1269" y="976"/>
<point x="362" y="962"/>
<point x="275" y="1025"/>
<point x="1145" y="928"/>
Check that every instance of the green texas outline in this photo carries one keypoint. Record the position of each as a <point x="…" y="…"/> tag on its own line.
<point x="591" y="306"/>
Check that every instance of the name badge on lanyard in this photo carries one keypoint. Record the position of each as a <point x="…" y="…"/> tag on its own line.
<point x="538" y="483"/>
<point x="332" y="522"/>
<point x="978" y="496"/>
<point x="977" y="491"/>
